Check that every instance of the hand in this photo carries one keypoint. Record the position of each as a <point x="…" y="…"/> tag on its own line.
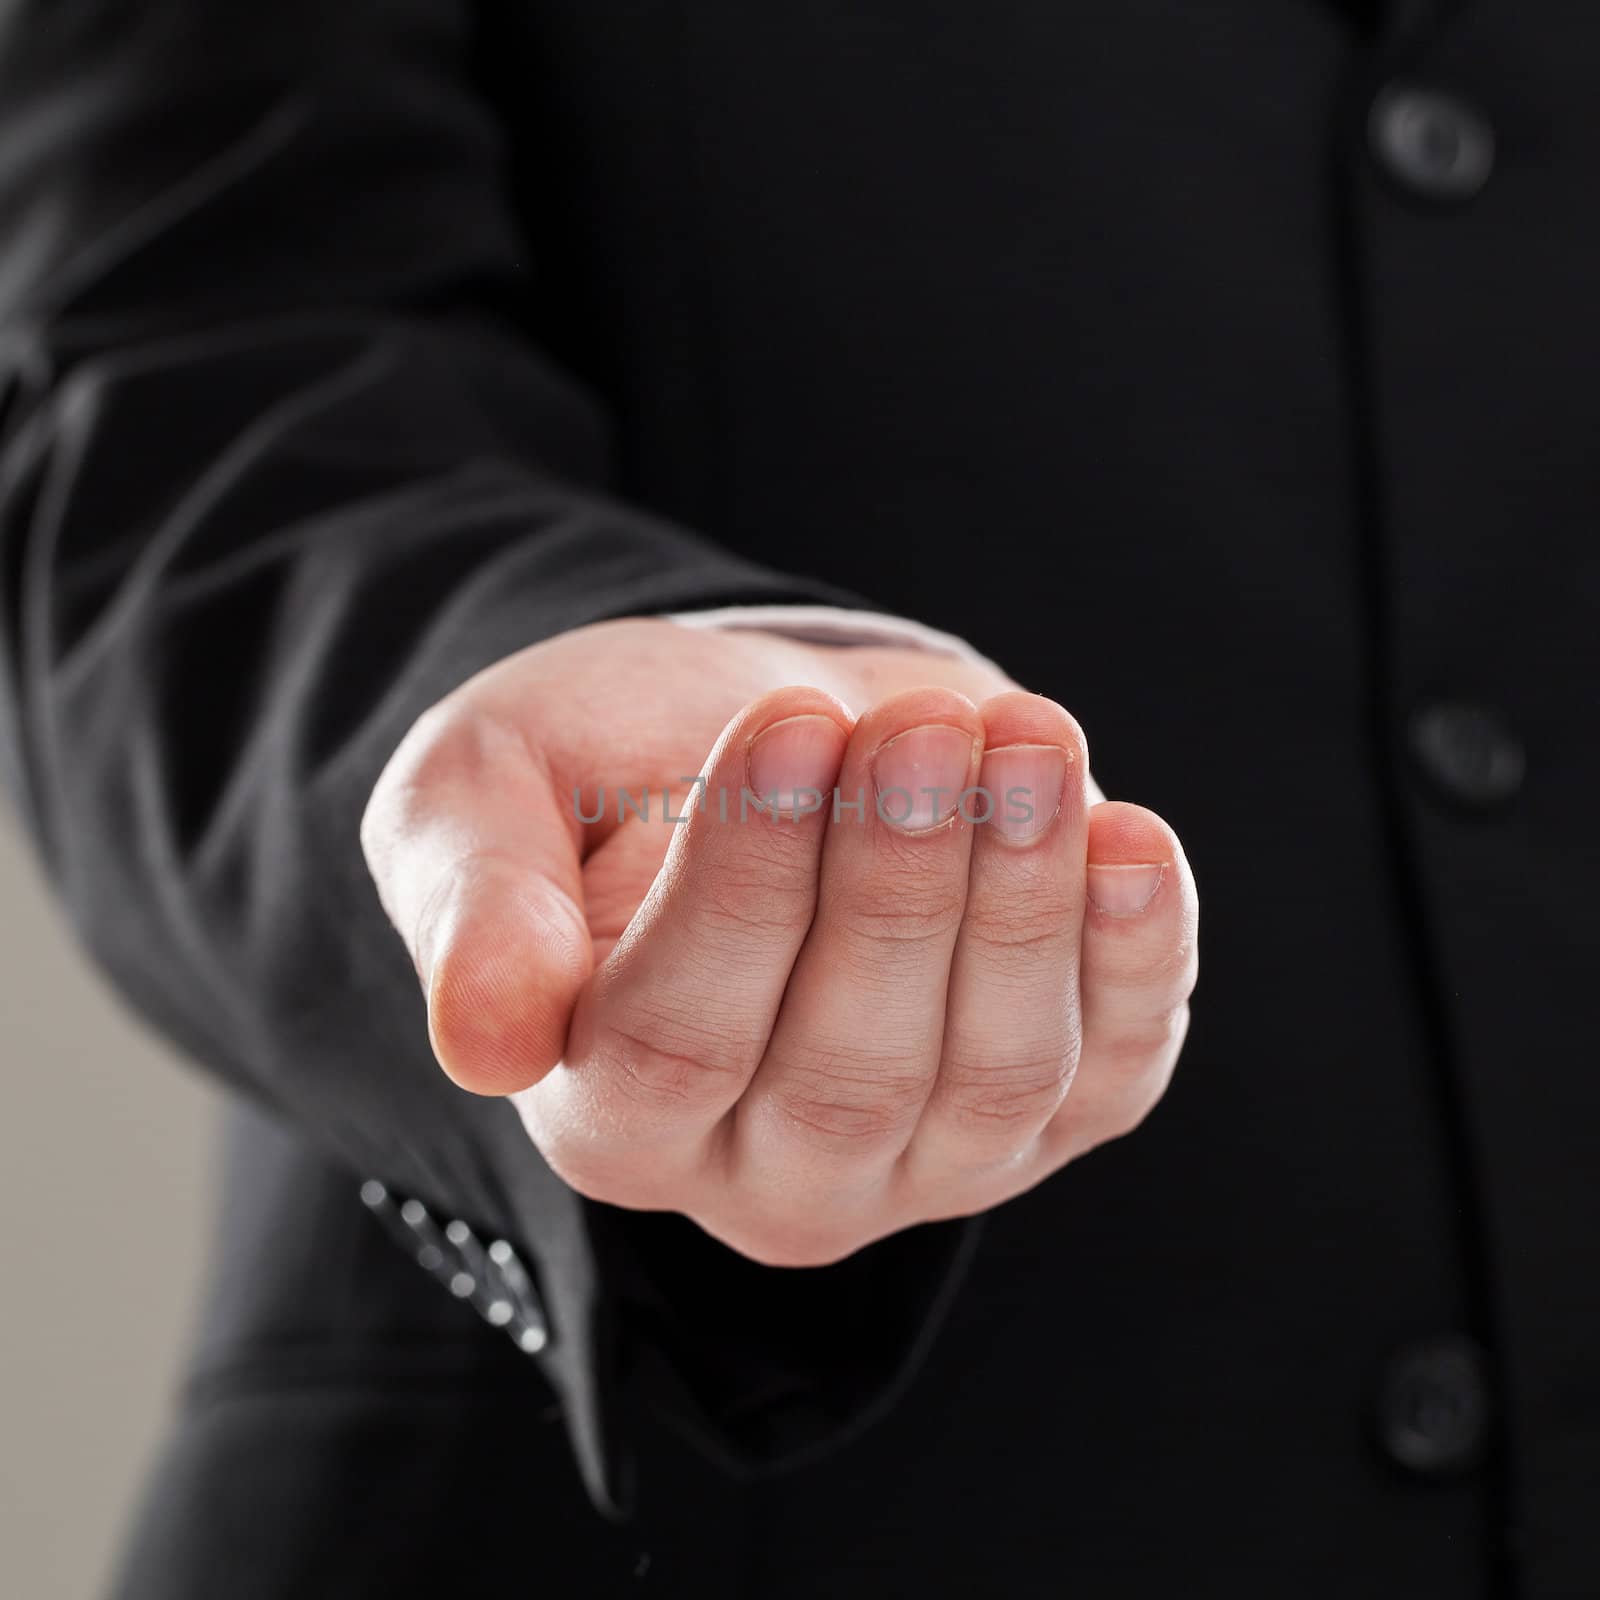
<point x="805" y="1029"/>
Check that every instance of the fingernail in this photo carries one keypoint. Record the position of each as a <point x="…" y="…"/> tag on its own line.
<point x="790" y="765"/>
<point x="1023" y="784"/>
<point x="1124" y="889"/>
<point x="920" y="775"/>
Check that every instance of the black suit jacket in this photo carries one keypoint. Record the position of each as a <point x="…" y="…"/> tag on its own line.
<point x="1241" y="405"/>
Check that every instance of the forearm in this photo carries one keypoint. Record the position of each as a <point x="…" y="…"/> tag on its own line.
<point x="277" y="473"/>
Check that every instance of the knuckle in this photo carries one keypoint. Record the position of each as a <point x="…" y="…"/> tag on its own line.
<point x="1186" y="967"/>
<point x="749" y="903"/>
<point x="999" y="1096"/>
<point x="1138" y="1051"/>
<point x="666" y="1063"/>
<point x="849" y="1099"/>
<point x="453" y="747"/>
<point x="781" y="844"/>
<point x="899" y="909"/>
<point x="1028" y="925"/>
<point x="1135" y="962"/>
<point x="1179" y="964"/>
<point x="452" y="742"/>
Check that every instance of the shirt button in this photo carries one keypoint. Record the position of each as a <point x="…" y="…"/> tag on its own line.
<point x="1433" y="1409"/>
<point x="1434" y="144"/>
<point x="1468" y="754"/>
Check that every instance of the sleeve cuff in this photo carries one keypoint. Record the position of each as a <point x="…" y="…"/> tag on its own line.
<point x="814" y="624"/>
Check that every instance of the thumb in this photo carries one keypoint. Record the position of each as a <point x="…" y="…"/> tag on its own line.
<point x="478" y="865"/>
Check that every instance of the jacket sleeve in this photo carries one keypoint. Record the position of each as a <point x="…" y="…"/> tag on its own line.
<point x="280" y="465"/>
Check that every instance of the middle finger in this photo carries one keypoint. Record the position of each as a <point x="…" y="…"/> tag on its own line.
<point x="855" y="1048"/>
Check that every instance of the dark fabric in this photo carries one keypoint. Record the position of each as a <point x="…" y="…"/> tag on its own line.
<point x="280" y="464"/>
<point x="348" y="347"/>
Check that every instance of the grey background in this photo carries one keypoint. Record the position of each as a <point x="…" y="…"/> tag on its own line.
<point x="105" y="1172"/>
